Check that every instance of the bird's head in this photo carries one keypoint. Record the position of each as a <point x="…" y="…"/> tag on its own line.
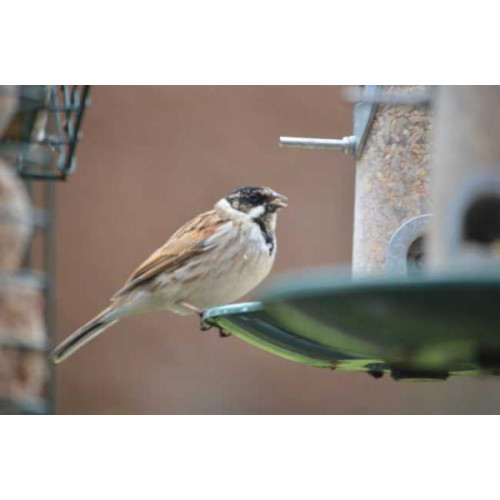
<point x="256" y="201"/>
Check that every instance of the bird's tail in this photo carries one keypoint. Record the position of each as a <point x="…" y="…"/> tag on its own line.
<point x="85" y="334"/>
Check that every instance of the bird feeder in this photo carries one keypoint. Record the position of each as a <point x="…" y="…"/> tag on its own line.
<point x="419" y="302"/>
<point x="39" y="129"/>
<point x="42" y="136"/>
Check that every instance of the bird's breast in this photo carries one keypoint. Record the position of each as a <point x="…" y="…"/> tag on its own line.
<point x="237" y="265"/>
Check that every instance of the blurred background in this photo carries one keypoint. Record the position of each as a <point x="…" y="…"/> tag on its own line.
<point x="151" y="159"/>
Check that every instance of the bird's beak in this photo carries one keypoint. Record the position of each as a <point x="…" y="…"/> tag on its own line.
<point x="279" y="200"/>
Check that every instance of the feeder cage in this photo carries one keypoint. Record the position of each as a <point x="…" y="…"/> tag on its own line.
<point x="39" y="130"/>
<point x="42" y="137"/>
<point x="420" y="302"/>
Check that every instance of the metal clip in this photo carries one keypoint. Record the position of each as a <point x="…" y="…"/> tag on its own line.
<point x="352" y="144"/>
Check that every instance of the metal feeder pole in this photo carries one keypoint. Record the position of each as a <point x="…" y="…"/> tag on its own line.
<point x="466" y="187"/>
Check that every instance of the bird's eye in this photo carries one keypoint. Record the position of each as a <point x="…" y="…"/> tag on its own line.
<point x="254" y="198"/>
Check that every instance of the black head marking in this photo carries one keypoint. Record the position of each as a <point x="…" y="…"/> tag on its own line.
<point x="246" y="198"/>
<point x="249" y="196"/>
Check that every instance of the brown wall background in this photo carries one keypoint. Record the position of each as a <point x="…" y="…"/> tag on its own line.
<point x="153" y="157"/>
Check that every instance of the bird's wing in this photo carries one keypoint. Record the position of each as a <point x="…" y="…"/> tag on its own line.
<point x="191" y="240"/>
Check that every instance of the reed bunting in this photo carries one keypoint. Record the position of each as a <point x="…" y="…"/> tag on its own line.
<point x="216" y="258"/>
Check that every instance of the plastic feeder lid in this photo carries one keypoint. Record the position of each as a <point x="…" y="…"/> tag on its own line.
<point x="440" y="323"/>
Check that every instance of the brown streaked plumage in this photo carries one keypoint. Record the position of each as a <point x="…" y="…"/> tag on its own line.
<point x="215" y="258"/>
<point x="185" y="244"/>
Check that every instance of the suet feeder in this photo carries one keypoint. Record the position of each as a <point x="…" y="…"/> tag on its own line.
<point x="40" y="126"/>
<point x="420" y="300"/>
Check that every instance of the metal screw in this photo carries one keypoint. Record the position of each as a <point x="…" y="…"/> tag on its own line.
<point x="347" y="144"/>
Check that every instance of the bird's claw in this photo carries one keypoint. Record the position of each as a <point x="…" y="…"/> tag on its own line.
<point x="206" y="326"/>
<point x="223" y="334"/>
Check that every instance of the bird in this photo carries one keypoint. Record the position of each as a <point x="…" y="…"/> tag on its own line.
<point x="214" y="259"/>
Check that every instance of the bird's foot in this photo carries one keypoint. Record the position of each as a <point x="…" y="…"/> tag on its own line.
<point x="205" y="327"/>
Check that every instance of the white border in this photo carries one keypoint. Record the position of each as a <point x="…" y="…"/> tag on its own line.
<point x="248" y="457"/>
